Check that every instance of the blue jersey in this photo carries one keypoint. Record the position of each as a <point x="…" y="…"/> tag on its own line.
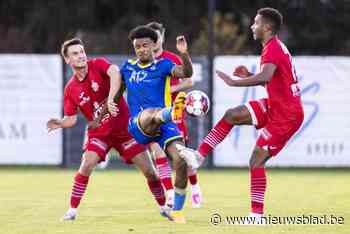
<point x="148" y="86"/>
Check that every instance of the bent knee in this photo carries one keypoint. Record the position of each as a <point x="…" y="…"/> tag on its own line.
<point x="259" y="158"/>
<point x="237" y="115"/>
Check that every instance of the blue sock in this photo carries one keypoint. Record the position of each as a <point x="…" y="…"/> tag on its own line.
<point x="166" y="114"/>
<point x="179" y="201"/>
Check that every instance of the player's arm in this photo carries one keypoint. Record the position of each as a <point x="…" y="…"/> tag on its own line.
<point x="115" y="86"/>
<point x="65" y="122"/>
<point x="115" y="92"/>
<point x="260" y="78"/>
<point x="185" y="70"/>
<point x="182" y="86"/>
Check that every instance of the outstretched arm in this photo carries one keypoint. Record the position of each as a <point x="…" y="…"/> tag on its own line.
<point x="65" y="122"/>
<point x="260" y="78"/>
<point x="185" y="70"/>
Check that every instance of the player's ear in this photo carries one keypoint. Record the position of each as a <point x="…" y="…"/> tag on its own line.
<point x="66" y="59"/>
<point x="267" y="27"/>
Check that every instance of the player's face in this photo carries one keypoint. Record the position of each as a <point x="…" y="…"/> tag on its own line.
<point x="144" y="48"/>
<point x="76" y="56"/>
<point x="258" y="28"/>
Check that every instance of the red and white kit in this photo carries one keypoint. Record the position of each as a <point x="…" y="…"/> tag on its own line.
<point x="281" y="114"/>
<point x="88" y="96"/>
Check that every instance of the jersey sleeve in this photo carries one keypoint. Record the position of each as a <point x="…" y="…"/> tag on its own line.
<point x="69" y="107"/>
<point x="270" y="55"/>
<point x="102" y="65"/>
<point x="176" y="59"/>
<point x="167" y="67"/>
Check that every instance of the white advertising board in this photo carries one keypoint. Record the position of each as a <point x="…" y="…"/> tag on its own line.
<point x="323" y="139"/>
<point x="30" y="94"/>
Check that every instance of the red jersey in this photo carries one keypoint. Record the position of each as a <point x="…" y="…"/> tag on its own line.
<point x="89" y="95"/>
<point x="283" y="92"/>
<point x="175" y="59"/>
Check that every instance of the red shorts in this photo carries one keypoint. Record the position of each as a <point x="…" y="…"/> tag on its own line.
<point x="123" y="142"/>
<point x="274" y="134"/>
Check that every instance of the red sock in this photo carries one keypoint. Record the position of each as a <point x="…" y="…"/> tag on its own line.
<point x="215" y="136"/>
<point x="78" y="190"/>
<point x="257" y="189"/>
<point x="164" y="171"/>
<point x="192" y="176"/>
<point x="157" y="191"/>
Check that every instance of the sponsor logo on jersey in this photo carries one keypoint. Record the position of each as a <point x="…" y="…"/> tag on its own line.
<point x="94" y="86"/>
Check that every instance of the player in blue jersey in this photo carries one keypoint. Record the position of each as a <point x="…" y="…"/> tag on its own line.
<point x="147" y="82"/>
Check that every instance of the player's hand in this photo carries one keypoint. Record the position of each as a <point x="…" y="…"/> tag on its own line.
<point x="226" y="78"/>
<point x="112" y="108"/>
<point x="241" y="71"/>
<point x="53" y="124"/>
<point x="181" y="44"/>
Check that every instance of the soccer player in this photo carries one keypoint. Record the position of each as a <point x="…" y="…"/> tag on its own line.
<point x="278" y="116"/>
<point x="147" y="82"/>
<point x="161" y="161"/>
<point x="87" y="91"/>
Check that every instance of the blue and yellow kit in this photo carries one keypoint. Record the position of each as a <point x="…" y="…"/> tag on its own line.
<point x="148" y="86"/>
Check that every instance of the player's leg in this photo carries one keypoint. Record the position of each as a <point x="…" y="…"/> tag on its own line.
<point x="180" y="168"/>
<point x="144" y="164"/>
<point x="164" y="171"/>
<point x="134" y="153"/>
<point x="235" y="116"/>
<point x="89" y="161"/>
<point x="151" y="119"/>
<point x="270" y="142"/>
<point x="253" y="113"/>
<point x="196" y="193"/>
<point x="257" y="163"/>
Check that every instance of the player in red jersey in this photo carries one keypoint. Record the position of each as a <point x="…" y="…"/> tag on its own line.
<point x="87" y="91"/>
<point x="161" y="160"/>
<point x="278" y="116"/>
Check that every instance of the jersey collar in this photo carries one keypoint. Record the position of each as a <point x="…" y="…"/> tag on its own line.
<point x="145" y="65"/>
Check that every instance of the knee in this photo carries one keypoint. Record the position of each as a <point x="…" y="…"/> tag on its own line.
<point x="150" y="174"/>
<point x="258" y="158"/>
<point x="253" y="159"/>
<point x="179" y="164"/>
<point x="235" y="115"/>
<point x="88" y="165"/>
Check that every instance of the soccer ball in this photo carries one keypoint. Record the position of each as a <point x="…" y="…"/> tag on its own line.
<point x="197" y="103"/>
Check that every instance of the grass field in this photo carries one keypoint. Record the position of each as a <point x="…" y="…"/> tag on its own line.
<point x="33" y="200"/>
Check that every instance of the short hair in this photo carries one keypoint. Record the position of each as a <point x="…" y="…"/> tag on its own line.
<point x="273" y="16"/>
<point x="143" y="32"/>
<point x="68" y="43"/>
<point x="156" y="26"/>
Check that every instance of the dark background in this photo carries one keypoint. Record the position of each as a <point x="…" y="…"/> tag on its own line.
<point x="314" y="27"/>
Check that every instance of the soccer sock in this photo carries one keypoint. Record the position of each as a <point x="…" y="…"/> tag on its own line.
<point x="257" y="189"/>
<point x="192" y="176"/>
<point x="179" y="199"/>
<point x="165" y="114"/>
<point x="215" y="136"/>
<point x="78" y="190"/>
<point x="164" y="171"/>
<point x="157" y="191"/>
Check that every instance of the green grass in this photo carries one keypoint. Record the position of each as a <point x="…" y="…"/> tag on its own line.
<point x="33" y="200"/>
